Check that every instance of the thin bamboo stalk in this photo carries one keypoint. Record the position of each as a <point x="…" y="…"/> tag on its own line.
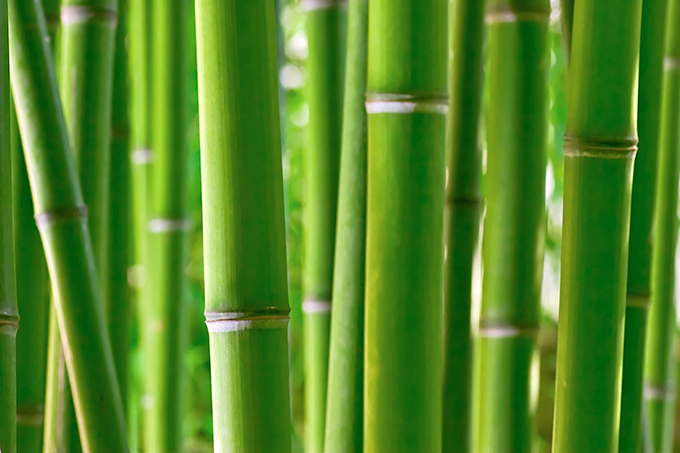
<point x="162" y="333"/>
<point x="406" y="105"/>
<point x="642" y="211"/>
<point x="344" y="411"/>
<point x="516" y="125"/>
<point x="9" y="313"/>
<point x="461" y="214"/>
<point x="119" y="212"/>
<point x="599" y="147"/>
<point x="60" y="215"/>
<point x="660" y="366"/>
<point x="243" y="225"/>
<point x="322" y="169"/>
<point x="566" y="22"/>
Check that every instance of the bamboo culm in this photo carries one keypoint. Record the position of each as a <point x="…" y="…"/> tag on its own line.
<point x="60" y="215"/>
<point x="461" y="216"/>
<point x="642" y="210"/>
<point x="599" y="146"/>
<point x="322" y="167"/>
<point x="660" y="362"/>
<point x="344" y="407"/>
<point x="243" y="225"/>
<point x="406" y="104"/>
<point x="163" y="330"/>
<point x="512" y="249"/>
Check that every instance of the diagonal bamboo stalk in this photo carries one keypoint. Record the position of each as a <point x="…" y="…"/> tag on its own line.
<point x="60" y="215"/>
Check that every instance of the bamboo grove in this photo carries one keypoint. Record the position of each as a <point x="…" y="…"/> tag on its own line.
<point x="339" y="226"/>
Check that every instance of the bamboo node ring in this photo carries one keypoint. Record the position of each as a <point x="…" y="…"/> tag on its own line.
<point x="619" y="149"/>
<point x="169" y="225"/>
<point x="76" y="14"/>
<point x="507" y="15"/>
<point x="231" y="321"/>
<point x="638" y="300"/>
<point x="9" y="323"/>
<point x="30" y="415"/>
<point x="659" y="392"/>
<point x="507" y="331"/>
<point x="46" y="218"/>
<point x="671" y="63"/>
<point x="316" y="306"/>
<point x="311" y="5"/>
<point x="436" y="103"/>
<point x="142" y="156"/>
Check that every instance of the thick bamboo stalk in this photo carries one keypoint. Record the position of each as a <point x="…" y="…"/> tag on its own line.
<point x="514" y="228"/>
<point x="322" y="168"/>
<point x="567" y="24"/>
<point x="162" y="332"/>
<point x="463" y="199"/>
<point x="660" y="371"/>
<point x="9" y="313"/>
<point x="406" y="104"/>
<point x="344" y="411"/>
<point x="599" y="147"/>
<point x="243" y="225"/>
<point x="60" y="215"/>
<point x="642" y="210"/>
<point x="119" y="211"/>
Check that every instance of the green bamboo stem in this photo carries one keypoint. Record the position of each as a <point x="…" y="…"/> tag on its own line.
<point x="461" y="214"/>
<point x="406" y="103"/>
<point x="322" y="169"/>
<point x="567" y="24"/>
<point x="660" y="387"/>
<point x="119" y="212"/>
<point x="162" y="332"/>
<point x="512" y="249"/>
<point x="243" y="225"/>
<point x="344" y="411"/>
<point x="599" y="147"/>
<point x="33" y="301"/>
<point x="642" y="210"/>
<point x="9" y="313"/>
<point x="63" y="228"/>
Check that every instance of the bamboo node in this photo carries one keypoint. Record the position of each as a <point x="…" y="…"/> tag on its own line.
<point x="312" y="5"/>
<point x="671" y="63"/>
<point x="142" y="156"/>
<point x="30" y="415"/>
<point x="9" y="324"/>
<point x="619" y="149"/>
<point x="316" y="306"/>
<point x="507" y="330"/>
<point x="638" y="300"/>
<point x="659" y="392"/>
<point x="505" y="15"/>
<point x="80" y="14"/>
<point x="169" y="225"/>
<point x="436" y="103"/>
<point x="46" y="218"/>
<point x="231" y="321"/>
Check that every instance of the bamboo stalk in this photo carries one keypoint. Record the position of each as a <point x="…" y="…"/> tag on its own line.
<point x="406" y="103"/>
<point x="600" y="143"/>
<point x="660" y="366"/>
<point x="514" y="226"/>
<point x="60" y="217"/>
<point x="344" y="411"/>
<point x="119" y="212"/>
<point x="9" y="313"/>
<point x="642" y="211"/>
<point x="567" y="24"/>
<point x="322" y="165"/>
<point x="461" y="214"/>
<point x="163" y="339"/>
<point x="243" y="225"/>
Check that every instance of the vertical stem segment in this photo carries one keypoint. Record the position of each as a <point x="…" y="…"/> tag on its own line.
<point x="322" y="162"/>
<point x="516" y="123"/>
<point x="466" y="23"/>
<point x="243" y="225"/>
<point x="642" y="211"/>
<point x="163" y="330"/>
<point x="406" y="105"/>
<point x="660" y="372"/>
<point x="600" y="145"/>
<point x="344" y="415"/>
<point x="62" y="221"/>
<point x="9" y="314"/>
